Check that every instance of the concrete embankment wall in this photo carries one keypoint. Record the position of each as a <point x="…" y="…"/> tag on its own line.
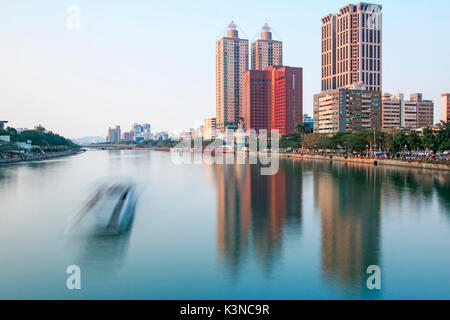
<point x="387" y="162"/>
<point x="40" y="157"/>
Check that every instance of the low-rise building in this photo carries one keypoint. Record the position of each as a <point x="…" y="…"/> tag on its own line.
<point x="391" y="110"/>
<point x="198" y="133"/>
<point x="309" y="121"/>
<point x="20" y="130"/>
<point x="128" y="136"/>
<point x="209" y="129"/>
<point x="162" y="136"/>
<point x="347" y="110"/>
<point x="425" y="110"/>
<point x="409" y="114"/>
<point x="2" y="124"/>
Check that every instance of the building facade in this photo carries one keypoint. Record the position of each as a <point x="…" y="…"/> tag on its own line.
<point x="114" y="134"/>
<point x="231" y="63"/>
<point x="408" y="114"/>
<point x="162" y="136"/>
<point x="142" y="131"/>
<point x="273" y="99"/>
<point x="309" y="121"/>
<point x="347" y="110"/>
<point x="287" y="98"/>
<point x="425" y="110"/>
<point x="266" y="52"/>
<point x="256" y="99"/>
<point x="209" y="129"/>
<point x="391" y="110"/>
<point x="128" y="136"/>
<point x="445" y="107"/>
<point x="2" y="124"/>
<point x="351" y="46"/>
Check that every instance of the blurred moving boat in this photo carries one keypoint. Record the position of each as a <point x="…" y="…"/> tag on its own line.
<point x="109" y="211"/>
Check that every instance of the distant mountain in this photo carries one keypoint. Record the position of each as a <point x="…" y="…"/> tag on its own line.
<point x="88" y="140"/>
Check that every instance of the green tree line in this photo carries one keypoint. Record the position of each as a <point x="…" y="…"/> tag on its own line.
<point x="366" y="140"/>
<point x="47" y="140"/>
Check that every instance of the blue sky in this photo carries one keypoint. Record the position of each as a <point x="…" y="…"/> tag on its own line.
<point x="154" y="61"/>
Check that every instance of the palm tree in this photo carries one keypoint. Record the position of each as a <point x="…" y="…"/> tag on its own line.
<point x="303" y="128"/>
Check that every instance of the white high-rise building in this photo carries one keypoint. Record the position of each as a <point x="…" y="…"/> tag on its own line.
<point x="266" y="52"/>
<point x="114" y="134"/>
<point x="231" y="63"/>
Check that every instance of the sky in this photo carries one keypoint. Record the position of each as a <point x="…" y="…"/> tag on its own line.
<point x="154" y="61"/>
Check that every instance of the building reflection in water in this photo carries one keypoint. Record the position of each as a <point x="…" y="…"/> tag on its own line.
<point x="255" y="211"/>
<point x="349" y="201"/>
<point x="351" y="198"/>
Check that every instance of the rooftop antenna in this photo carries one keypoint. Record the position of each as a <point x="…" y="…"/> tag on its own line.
<point x="242" y="30"/>
<point x="273" y="30"/>
<point x="255" y="37"/>
<point x="224" y="30"/>
<point x="232" y="25"/>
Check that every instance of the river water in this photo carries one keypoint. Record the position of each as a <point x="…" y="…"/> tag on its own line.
<point x="227" y="232"/>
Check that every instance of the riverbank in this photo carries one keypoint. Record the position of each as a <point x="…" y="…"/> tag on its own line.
<point x="40" y="157"/>
<point x="375" y="162"/>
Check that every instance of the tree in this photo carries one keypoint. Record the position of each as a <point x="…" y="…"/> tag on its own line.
<point x="399" y="142"/>
<point x="8" y="146"/>
<point x="314" y="141"/>
<point x="338" y="141"/>
<point x="414" y="140"/>
<point x="357" y="142"/>
<point x="40" y="128"/>
<point x="429" y="139"/>
<point x="12" y="133"/>
<point x="303" y="128"/>
<point x="443" y="137"/>
<point x="382" y="140"/>
<point x="293" y="140"/>
<point x="48" y="140"/>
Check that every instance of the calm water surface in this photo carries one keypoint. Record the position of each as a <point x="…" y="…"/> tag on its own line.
<point x="226" y="232"/>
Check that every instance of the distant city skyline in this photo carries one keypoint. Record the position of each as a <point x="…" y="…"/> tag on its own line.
<point x="156" y="62"/>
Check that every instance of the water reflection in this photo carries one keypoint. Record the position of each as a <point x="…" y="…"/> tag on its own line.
<point x="104" y="253"/>
<point x="7" y="176"/>
<point x="253" y="211"/>
<point x="308" y="232"/>
<point x="349" y="201"/>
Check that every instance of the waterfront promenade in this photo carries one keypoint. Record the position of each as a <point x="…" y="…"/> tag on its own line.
<point x="40" y="157"/>
<point x="372" y="161"/>
<point x="419" y="164"/>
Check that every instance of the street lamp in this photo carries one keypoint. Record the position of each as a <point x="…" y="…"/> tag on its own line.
<point x="374" y="142"/>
